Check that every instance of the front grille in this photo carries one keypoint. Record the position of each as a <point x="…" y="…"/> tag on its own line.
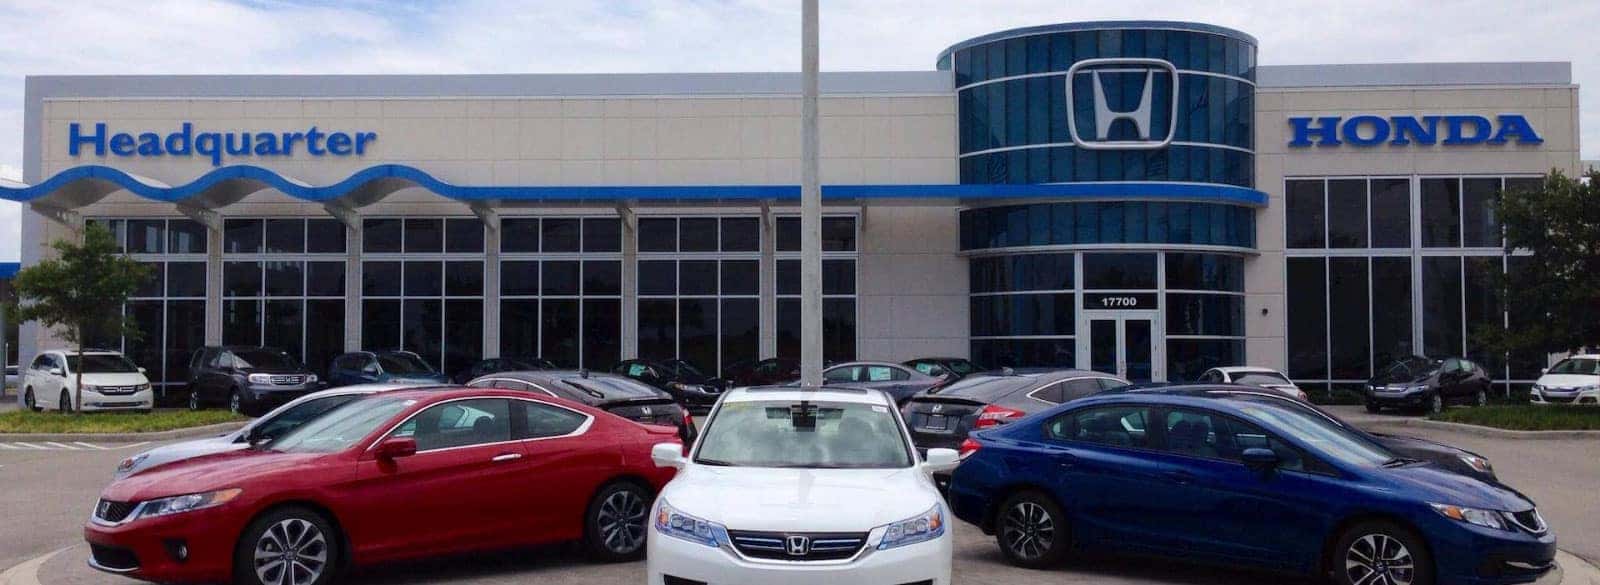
<point x="1559" y="399"/>
<point x="115" y="390"/>
<point x="114" y="557"/>
<point x="288" y="380"/>
<point x="1529" y="520"/>
<point x="788" y="546"/>
<point x="110" y="511"/>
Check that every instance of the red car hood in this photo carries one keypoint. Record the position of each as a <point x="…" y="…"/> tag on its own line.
<point x="211" y="472"/>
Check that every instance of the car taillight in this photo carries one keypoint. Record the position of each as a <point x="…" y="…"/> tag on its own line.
<point x="968" y="447"/>
<point x="992" y="415"/>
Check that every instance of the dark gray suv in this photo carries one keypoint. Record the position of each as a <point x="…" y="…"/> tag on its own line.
<point x="250" y="380"/>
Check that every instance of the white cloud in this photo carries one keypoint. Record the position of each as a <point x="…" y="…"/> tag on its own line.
<point x="485" y="36"/>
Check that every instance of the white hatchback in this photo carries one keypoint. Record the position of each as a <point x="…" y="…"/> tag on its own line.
<point x="1575" y="380"/>
<point x="110" y="382"/>
<point x="791" y="486"/>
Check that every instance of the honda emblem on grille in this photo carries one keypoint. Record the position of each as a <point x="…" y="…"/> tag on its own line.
<point x="938" y="407"/>
<point x="798" y="546"/>
<point x="102" y="509"/>
<point x="646" y="410"/>
<point x="1136" y="110"/>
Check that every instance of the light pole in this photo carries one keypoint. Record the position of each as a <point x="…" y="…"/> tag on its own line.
<point x="810" y="205"/>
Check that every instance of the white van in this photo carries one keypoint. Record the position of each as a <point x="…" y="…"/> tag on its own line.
<point x="110" y="382"/>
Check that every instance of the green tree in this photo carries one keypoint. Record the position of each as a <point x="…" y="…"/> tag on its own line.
<point x="80" y="293"/>
<point x="1553" y="295"/>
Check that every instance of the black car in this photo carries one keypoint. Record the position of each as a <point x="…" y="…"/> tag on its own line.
<point x="1460" y="461"/>
<point x="1428" y="384"/>
<point x="951" y="366"/>
<point x="619" y="395"/>
<point x="767" y="372"/>
<point x="899" y="381"/>
<point x="503" y="364"/>
<point x="687" y="384"/>
<point x="942" y="417"/>
<point x="250" y="380"/>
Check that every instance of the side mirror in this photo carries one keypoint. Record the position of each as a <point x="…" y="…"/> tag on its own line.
<point x="937" y="371"/>
<point x="395" y="448"/>
<point x="668" y="455"/>
<point x="940" y="460"/>
<point x="1260" y="459"/>
<point x="1543" y="371"/>
<point x="57" y="372"/>
<point x="143" y="371"/>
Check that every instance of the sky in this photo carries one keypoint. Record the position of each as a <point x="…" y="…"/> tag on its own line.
<point x="55" y="37"/>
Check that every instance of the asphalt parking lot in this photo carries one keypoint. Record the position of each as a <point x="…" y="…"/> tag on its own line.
<point x="46" y="494"/>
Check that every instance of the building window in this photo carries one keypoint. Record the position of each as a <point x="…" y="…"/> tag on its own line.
<point x="561" y="290"/>
<point x="170" y="308"/>
<point x="419" y="295"/>
<point x="839" y="237"/>
<point x="283" y="286"/>
<point x="1108" y="222"/>
<point x="699" y="290"/>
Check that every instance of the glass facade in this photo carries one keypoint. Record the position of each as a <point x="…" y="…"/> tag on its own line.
<point x="169" y="309"/>
<point x="422" y="288"/>
<point x="283" y="286"/>
<point x="839" y="237"/>
<point x="561" y="289"/>
<point x="1012" y="107"/>
<point x="700" y="289"/>
<point x="1367" y="284"/>
<point x="1108" y="222"/>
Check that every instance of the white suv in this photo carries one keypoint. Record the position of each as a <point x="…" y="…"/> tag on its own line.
<point x="110" y="382"/>
<point x="1575" y="380"/>
<point x="788" y="486"/>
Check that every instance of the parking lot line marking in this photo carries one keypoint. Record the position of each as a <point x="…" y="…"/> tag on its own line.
<point x="132" y="445"/>
<point x="8" y="446"/>
<point x="90" y="445"/>
<point x="61" y="446"/>
<point x="31" y="446"/>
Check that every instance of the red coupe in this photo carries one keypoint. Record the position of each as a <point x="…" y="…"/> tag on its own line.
<point x="403" y="474"/>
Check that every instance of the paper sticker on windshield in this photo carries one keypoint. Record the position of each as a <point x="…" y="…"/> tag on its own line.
<point x="880" y="410"/>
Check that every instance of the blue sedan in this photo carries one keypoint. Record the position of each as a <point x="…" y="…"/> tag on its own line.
<point x="1222" y="474"/>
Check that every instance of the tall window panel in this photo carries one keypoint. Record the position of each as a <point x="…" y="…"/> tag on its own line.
<point x="1391" y="212"/>
<point x="838" y="287"/>
<point x="561" y="289"/>
<point x="1349" y="324"/>
<point x="422" y="288"/>
<point x="1441" y="212"/>
<point x="699" y="290"/>
<point x="1305" y="206"/>
<point x="168" y="309"/>
<point x="1441" y="306"/>
<point x="1307" y="299"/>
<point x="283" y="286"/>
<point x="1391" y="310"/>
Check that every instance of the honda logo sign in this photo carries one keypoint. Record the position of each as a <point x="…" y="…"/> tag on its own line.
<point x="1108" y="110"/>
<point x="797" y="545"/>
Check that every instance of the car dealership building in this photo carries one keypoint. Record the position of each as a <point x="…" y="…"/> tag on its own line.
<point x="1132" y="197"/>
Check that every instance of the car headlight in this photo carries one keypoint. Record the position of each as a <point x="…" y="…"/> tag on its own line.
<point x="1588" y="388"/>
<point x="260" y="379"/>
<point x="671" y="522"/>
<point x="1484" y="518"/>
<point x="1537" y="388"/>
<point x="311" y="378"/>
<point x="920" y="528"/>
<point x="1478" y="464"/>
<point x="1417" y="388"/>
<point x="129" y="463"/>
<point x="187" y="502"/>
<point x="145" y="387"/>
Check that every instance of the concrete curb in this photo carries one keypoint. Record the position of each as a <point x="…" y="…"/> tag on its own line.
<point x="191" y="432"/>
<point x="27" y="572"/>
<point x="1574" y="570"/>
<point x="1481" y="431"/>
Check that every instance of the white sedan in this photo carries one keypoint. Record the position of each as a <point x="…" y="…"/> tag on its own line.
<point x="1267" y="378"/>
<point x="790" y="486"/>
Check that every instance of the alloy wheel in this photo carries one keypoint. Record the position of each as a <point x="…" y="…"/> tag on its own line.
<point x="1028" y="530"/>
<point x="194" y="400"/>
<point x="27" y="400"/>
<point x="1435" y="404"/>
<point x="1379" y="559"/>
<point x="291" y="552"/>
<point x="621" y="521"/>
<point x="65" y="403"/>
<point x="235" y="402"/>
<point x="1483" y="398"/>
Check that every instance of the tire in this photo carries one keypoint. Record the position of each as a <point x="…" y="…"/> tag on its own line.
<point x="1435" y="404"/>
<point x="614" y="524"/>
<point x="1032" y="531"/>
<point x="64" y="404"/>
<point x="1373" y="408"/>
<point x="292" y="537"/>
<point x="28" y="401"/>
<point x="1376" y="546"/>
<point x="194" y="400"/>
<point x="1481" y="398"/>
<point x="236" y="402"/>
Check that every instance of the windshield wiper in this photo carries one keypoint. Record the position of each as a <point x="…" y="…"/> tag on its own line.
<point x="713" y="462"/>
<point x="1400" y="461"/>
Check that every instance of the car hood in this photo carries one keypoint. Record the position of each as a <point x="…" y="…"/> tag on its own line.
<point x="1402" y="377"/>
<point x="121" y="379"/>
<point x="418" y="377"/>
<point x="1567" y="380"/>
<point x="206" y="473"/>
<point x="801" y="500"/>
<point x="285" y="370"/>
<point x="180" y="451"/>
<point x="1441" y="486"/>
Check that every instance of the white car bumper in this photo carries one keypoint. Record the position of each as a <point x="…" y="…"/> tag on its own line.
<point x="142" y="400"/>
<point x="690" y="563"/>
<point x="1550" y="396"/>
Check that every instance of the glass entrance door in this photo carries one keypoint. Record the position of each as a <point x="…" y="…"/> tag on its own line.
<point x="1123" y="344"/>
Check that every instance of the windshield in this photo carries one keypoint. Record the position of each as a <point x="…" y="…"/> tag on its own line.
<point x="1584" y="366"/>
<point x="685" y="369"/>
<point x="102" y="364"/>
<point x="342" y="427"/>
<point x="293" y="417"/>
<point x="1409" y="368"/>
<point x="403" y="363"/>
<point x="1323" y="436"/>
<point x="816" y="435"/>
<point x="266" y="359"/>
<point x="1260" y="378"/>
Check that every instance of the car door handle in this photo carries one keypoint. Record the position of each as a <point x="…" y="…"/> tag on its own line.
<point x="1180" y="477"/>
<point x="506" y="457"/>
